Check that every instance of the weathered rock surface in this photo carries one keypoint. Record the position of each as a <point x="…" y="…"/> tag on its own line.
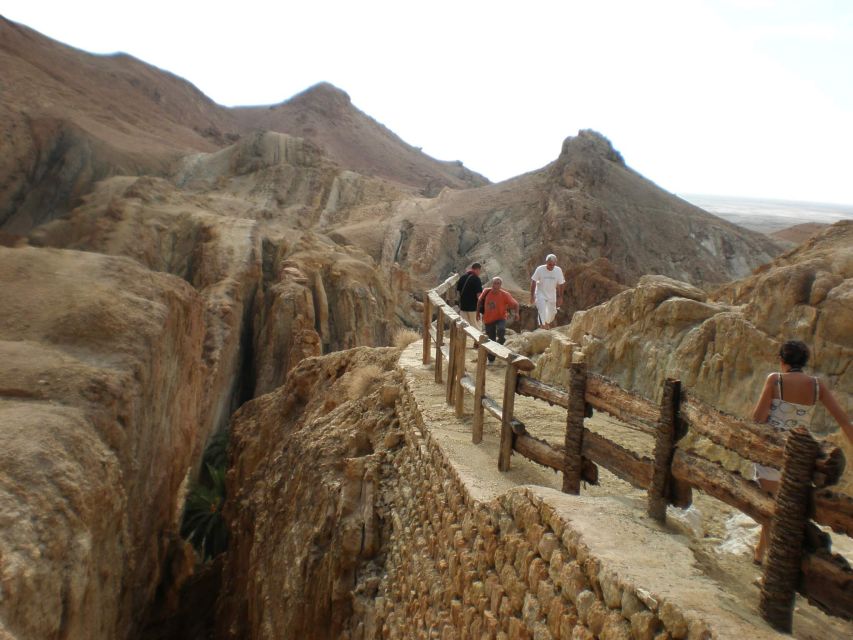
<point x="606" y="223"/>
<point x="325" y="115"/>
<point x="722" y="346"/>
<point x="101" y="418"/>
<point x="308" y="459"/>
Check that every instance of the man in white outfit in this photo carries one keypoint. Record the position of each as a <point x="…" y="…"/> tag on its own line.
<point x="546" y="290"/>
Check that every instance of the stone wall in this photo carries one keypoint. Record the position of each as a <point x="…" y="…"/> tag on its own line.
<point x="513" y="568"/>
<point x="362" y="510"/>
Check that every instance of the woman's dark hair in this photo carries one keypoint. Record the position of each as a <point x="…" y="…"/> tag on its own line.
<point x="794" y="353"/>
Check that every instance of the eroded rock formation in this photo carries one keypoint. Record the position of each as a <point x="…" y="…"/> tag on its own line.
<point x="309" y="460"/>
<point x="102" y="418"/>
<point x="723" y="345"/>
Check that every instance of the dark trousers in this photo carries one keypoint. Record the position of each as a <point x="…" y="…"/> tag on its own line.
<point x="497" y="332"/>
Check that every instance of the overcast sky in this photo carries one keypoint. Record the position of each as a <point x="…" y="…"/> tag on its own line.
<point x="729" y="97"/>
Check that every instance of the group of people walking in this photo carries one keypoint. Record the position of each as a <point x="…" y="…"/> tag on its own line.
<point x="494" y="304"/>
<point x="787" y="400"/>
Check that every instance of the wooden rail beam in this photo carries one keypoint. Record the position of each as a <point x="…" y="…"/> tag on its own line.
<point x="785" y="550"/>
<point x="574" y="428"/>
<point x="605" y="395"/>
<point x="479" y="391"/>
<point x="506" y="421"/>
<point x="451" y="363"/>
<point x="459" y="371"/>
<point x="731" y="488"/>
<point x="833" y="510"/>
<point x="439" y="342"/>
<point x="621" y="462"/>
<point x="664" y="448"/>
<point x="427" y="323"/>
<point x="757" y="442"/>
<point x="827" y="583"/>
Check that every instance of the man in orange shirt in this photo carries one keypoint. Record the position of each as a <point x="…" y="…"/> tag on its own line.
<point x="493" y="306"/>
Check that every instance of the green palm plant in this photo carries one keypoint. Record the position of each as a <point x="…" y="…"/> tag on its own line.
<point x="203" y="525"/>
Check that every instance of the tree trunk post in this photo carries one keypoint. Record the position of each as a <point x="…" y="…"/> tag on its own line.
<point x="787" y="531"/>
<point x="506" y="416"/>
<point x="427" y="325"/>
<point x="451" y="363"/>
<point x="439" y="342"/>
<point x="665" y="437"/>
<point x="479" y="391"/>
<point x="574" y="428"/>
<point x="459" y="371"/>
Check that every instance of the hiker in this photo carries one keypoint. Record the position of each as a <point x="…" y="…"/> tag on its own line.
<point x="470" y="288"/>
<point x="788" y="400"/>
<point x="546" y="290"/>
<point x="494" y="305"/>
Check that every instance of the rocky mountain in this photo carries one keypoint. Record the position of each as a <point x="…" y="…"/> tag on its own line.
<point x="607" y="224"/>
<point x="798" y="233"/>
<point x="69" y="119"/>
<point x="325" y="115"/>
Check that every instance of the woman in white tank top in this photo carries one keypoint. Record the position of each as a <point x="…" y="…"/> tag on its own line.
<point x="788" y="400"/>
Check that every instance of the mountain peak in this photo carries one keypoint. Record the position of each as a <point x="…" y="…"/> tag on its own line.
<point x="324" y="95"/>
<point x="589" y="142"/>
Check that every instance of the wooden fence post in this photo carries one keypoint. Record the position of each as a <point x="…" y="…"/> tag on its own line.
<point x="665" y="437"/>
<point x="787" y="531"/>
<point x="427" y="324"/>
<point x="439" y="342"/>
<point x="479" y="391"/>
<point x="459" y="371"/>
<point x="506" y="416"/>
<point x="574" y="428"/>
<point x="451" y="363"/>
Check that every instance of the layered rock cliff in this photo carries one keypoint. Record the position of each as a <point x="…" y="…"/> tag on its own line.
<point x="102" y="413"/>
<point x="722" y="345"/>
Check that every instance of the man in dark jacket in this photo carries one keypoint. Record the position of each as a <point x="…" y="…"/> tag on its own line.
<point x="470" y="288"/>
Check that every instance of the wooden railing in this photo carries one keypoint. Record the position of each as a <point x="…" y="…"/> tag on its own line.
<point x="799" y="557"/>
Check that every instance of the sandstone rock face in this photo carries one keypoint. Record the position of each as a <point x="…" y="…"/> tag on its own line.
<point x="722" y="346"/>
<point x="311" y="455"/>
<point x="102" y="417"/>
<point x="607" y="225"/>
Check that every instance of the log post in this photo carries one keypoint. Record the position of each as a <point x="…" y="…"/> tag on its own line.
<point x="459" y="371"/>
<point x="506" y="416"/>
<point x="439" y="342"/>
<point x="427" y="324"/>
<point x="479" y="391"/>
<point x="451" y="363"/>
<point x="665" y="435"/>
<point x="787" y="531"/>
<point x="574" y="428"/>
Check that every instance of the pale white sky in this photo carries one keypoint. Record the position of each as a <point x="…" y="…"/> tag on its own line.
<point x="728" y="97"/>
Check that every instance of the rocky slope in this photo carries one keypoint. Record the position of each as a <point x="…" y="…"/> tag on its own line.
<point x="325" y="115"/>
<point x="69" y="119"/>
<point x="102" y="413"/>
<point x="723" y="345"/>
<point x="311" y="454"/>
<point x="607" y="224"/>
